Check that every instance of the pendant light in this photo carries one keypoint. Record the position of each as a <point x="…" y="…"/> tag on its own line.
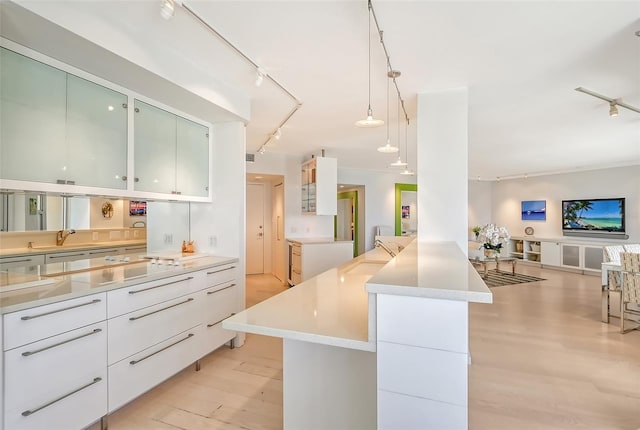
<point x="369" y="121"/>
<point x="399" y="162"/>
<point x="388" y="148"/>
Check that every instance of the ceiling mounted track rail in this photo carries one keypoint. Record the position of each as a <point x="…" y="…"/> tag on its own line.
<point x="259" y="70"/>
<point x="391" y="72"/>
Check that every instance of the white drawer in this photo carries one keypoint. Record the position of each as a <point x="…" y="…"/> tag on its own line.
<point x="22" y="260"/>
<point x="36" y="372"/>
<point x="125" y="300"/>
<point x="220" y="302"/>
<point x="296" y="262"/>
<point x="397" y="411"/>
<point x="296" y="277"/>
<point x="40" y="322"/>
<point x="146" y="327"/>
<point x="220" y="274"/>
<point x="65" y="256"/>
<point x="214" y="337"/>
<point x="146" y="369"/>
<point x="400" y="317"/>
<point x="65" y="409"/>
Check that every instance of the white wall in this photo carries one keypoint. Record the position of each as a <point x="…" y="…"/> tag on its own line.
<point x="296" y="224"/>
<point x="480" y="204"/>
<point x="167" y="226"/>
<point x="604" y="183"/>
<point x="380" y="197"/>
<point x="442" y="147"/>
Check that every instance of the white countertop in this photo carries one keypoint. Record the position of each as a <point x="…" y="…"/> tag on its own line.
<point x="434" y="270"/>
<point x="331" y="308"/>
<point x="315" y="240"/>
<point x="21" y="288"/>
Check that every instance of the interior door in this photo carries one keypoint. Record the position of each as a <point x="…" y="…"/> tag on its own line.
<point x="255" y="229"/>
<point x="279" y="244"/>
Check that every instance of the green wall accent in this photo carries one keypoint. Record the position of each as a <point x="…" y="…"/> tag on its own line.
<point x="399" y="189"/>
<point x="353" y="196"/>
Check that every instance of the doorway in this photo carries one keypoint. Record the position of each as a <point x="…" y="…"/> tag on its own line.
<point x="255" y="229"/>
<point x="349" y="221"/>
<point x="265" y="239"/>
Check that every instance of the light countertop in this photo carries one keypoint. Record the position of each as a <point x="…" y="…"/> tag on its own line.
<point x="26" y="287"/>
<point x="316" y="240"/>
<point x="433" y="270"/>
<point x="14" y="252"/>
<point x="331" y="308"/>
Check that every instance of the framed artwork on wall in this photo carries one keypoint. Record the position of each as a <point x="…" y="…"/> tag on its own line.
<point x="406" y="212"/>
<point x="534" y="210"/>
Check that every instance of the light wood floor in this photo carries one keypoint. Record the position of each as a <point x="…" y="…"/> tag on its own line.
<point x="541" y="359"/>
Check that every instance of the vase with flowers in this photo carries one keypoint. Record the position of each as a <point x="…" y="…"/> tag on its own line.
<point x="494" y="238"/>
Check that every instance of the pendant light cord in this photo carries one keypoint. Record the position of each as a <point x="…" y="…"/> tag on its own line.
<point x="369" y="38"/>
<point x="388" y="140"/>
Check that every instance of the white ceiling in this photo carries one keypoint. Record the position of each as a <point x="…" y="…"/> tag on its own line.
<point x="520" y="60"/>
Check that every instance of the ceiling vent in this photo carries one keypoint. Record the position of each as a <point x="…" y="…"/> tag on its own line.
<point x="250" y="158"/>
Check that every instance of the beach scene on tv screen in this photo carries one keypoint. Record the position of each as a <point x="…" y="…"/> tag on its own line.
<point x="604" y="215"/>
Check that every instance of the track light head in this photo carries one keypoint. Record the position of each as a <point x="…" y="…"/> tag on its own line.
<point x="260" y="74"/>
<point x="278" y="134"/>
<point x="167" y="9"/>
<point x="613" y="109"/>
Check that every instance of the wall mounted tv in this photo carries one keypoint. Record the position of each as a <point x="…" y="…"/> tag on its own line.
<point x="593" y="218"/>
<point x="137" y="208"/>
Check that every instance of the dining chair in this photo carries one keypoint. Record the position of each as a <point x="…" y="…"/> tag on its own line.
<point x="630" y="287"/>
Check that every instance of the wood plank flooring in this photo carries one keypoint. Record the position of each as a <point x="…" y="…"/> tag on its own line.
<point x="541" y="359"/>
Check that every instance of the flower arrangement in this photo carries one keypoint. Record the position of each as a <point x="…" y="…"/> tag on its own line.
<point x="494" y="237"/>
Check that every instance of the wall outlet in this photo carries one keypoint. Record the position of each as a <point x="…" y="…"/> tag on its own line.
<point x="126" y="234"/>
<point x="168" y="239"/>
<point x="213" y="241"/>
<point x="294" y="230"/>
<point x="94" y="235"/>
<point x="135" y="233"/>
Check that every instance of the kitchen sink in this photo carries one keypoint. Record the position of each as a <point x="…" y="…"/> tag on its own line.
<point x="366" y="268"/>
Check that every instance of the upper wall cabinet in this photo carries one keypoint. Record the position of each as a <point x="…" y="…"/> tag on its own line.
<point x="59" y="128"/>
<point x="171" y="153"/>
<point x="319" y="186"/>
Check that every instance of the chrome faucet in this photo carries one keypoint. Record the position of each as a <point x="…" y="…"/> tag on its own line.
<point x="379" y="243"/>
<point x="62" y="235"/>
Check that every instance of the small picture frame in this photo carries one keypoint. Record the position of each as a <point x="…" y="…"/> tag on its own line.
<point x="33" y="206"/>
<point x="406" y="213"/>
<point x="534" y="210"/>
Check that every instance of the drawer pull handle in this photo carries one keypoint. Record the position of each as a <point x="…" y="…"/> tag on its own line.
<point x="161" y="285"/>
<point x="17" y="261"/>
<point x="134" y="362"/>
<point x="28" y="353"/>
<point x="65" y="256"/>
<point x="218" y="322"/>
<point x="216" y="291"/>
<point x="190" y="299"/>
<point x="30" y="317"/>
<point x="39" y="408"/>
<point x="221" y="270"/>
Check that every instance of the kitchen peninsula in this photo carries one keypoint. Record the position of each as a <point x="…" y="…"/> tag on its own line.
<point x="111" y="327"/>
<point x="390" y="335"/>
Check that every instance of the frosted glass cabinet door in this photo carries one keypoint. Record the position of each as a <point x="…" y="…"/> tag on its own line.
<point x="32" y="114"/>
<point x="192" y="160"/>
<point x="96" y="134"/>
<point x="155" y="149"/>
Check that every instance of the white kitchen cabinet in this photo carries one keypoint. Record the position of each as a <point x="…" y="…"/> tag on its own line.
<point x="31" y="260"/>
<point x="319" y="186"/>
<point x="550" y="253"/>
<point x="526" y="249"/>
<point x="70" y="338"/>
<point x="309" y="257"/>
<point x="60" y="257"/>
<point x="59" y="128"/>
<point x="171" y="152"/>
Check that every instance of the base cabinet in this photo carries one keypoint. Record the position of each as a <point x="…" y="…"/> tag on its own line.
<point x="69" y="363"/>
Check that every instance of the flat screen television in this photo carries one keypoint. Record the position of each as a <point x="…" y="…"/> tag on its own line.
<point x="137" y="208"/>
<point x="593" y="216"/>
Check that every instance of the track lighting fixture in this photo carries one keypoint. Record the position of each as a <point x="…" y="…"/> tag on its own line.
<point x="613" y="103"/>
<point x="262" y="150"/>
<point x="278" y="134"/>
<point x="167" y="9"/>
<point x="369" y="121"/>
<point x="613" y="110"/>
<point x="260" y="74"/>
